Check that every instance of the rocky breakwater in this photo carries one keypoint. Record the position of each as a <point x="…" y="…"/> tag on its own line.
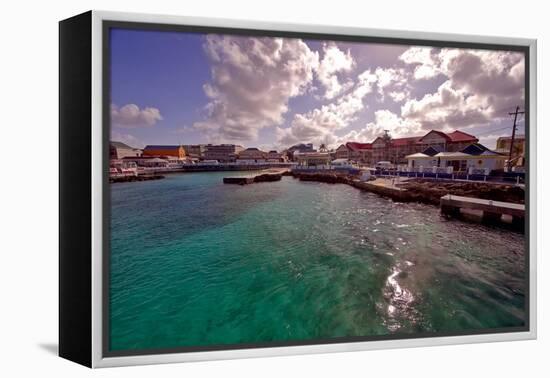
<point x="245" y="180"/>
<point x="268" y="177"/>
<point x="431" y="191"/>
<point x="379" y="187"/>
<point x="421" y="190"/>
<point x="135" y="178"/>
<point x="327" y="177"/>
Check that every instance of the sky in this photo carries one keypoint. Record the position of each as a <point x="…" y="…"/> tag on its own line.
<point x="271" y="93"/>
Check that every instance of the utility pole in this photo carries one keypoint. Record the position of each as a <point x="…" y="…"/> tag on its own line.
<point x="515" y="114"/>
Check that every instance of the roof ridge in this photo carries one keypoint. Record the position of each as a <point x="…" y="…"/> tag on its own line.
<point x="462" y="132"/>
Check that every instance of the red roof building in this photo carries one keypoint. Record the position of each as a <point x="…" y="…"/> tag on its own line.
<point x="359" y="152"/>
<point x="461" y="136"/>
<point x="399" y="142"/>
<point x="395" y="150"/>
<point x="356" y="146"/>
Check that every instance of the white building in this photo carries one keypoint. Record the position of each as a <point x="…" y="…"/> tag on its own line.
<point x="420" y="161"/>
<point x="473" y="157"/>
<point x="312" y="159"/>
<point x="251" y="155"/>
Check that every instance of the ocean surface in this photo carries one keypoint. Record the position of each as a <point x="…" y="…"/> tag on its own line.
<point x="196" y="263"/>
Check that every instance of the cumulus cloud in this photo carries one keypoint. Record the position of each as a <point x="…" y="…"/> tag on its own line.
<point x="393" y="82"/>
<point x="398" y="96"/>
<point x="130" y="116"/>
<point x="318" y="125"/>
<point x="384" y="120"/>
<point x="446" y="109"/>
<point x="480" y="87"/>
<point x="334" y="61"/>
<point x="497" y="77"/>
<point x="425" y="61"/>
<point x="252" y="82"/>
<point x="253" y="79"/>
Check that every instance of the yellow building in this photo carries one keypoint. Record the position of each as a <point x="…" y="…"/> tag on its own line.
<point x="518" y="152"/>
<point x="176" y="151"/>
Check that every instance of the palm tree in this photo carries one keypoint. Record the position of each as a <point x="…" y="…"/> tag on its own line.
<point x="323" y="148"/>
<point x="387" y="140"/>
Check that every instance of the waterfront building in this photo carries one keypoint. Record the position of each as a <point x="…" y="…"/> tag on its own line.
<point x="208" y="162"/>
<point x="223" y="153"/>
<point x="396" y="150"/>
<point x="147" y="161"/>
<point x="418" y="161"/>
<point x="275" y="157"/>
<point x="312" y="159"/>
<point x="342" y="152"/>
<point x="119" y="150"/>
<point x="342" y="163"/>
<point x="299" y="148"/>
<point x="252" y="155"/>
<point x="473" y="157"/>
<point x="163" y="150"/>
<point x="360" y="152"/>
<point x="518" y="152"/>
<point x="121" y="168"/>
<point x="195" y="151"/>
<point x="450" y="142"/>
<point x="156" y="162"/>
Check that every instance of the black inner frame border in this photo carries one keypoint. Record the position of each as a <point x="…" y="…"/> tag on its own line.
<point x="107" y="25"/>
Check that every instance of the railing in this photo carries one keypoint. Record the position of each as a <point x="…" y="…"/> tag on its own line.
<point x="512" y="178"/>
<point x="325" y="168"/>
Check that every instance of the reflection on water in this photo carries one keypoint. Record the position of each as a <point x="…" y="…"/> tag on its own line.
<point x="399" y="300"/>
<point x="195" y="262"/>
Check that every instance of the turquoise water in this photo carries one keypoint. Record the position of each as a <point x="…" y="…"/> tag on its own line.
<point x="195" y="262"/>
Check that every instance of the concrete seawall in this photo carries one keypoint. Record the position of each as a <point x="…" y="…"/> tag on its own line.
<point x="396" y="194"/>
<point x="380" y="187"/>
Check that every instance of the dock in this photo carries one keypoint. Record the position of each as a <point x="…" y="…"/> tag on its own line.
<point x="492" y="211"/>
<point x="262" y="176"/>
<point x="240" y="180"/>
<point x="384" y="187"/>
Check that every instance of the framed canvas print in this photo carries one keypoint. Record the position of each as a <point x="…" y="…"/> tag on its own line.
<point x="236" y="189"/>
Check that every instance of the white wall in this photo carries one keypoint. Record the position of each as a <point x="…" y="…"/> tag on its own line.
<point x="426" y="163"/>
<point x="28" y="272"/>
<point x="485" y="163"/>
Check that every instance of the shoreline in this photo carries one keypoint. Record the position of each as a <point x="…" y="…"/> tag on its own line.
<point x="430" y="192"/>
<point x="420" y="190"/>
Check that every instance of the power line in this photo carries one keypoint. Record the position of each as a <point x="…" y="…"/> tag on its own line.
<point x="503" y="110"/>
<point x="493" y="130"/>
<point x="519" y="123"/>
